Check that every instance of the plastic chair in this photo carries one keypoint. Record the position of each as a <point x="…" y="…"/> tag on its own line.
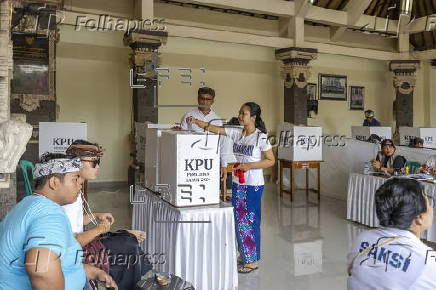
<point x="414" y="166"/>
<point x="25" y="166"/>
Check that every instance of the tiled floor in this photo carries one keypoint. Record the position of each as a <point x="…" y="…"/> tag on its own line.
<point x="304" y="246"/>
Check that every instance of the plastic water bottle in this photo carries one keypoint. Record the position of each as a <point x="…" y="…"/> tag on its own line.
<point x="366" y="168"/>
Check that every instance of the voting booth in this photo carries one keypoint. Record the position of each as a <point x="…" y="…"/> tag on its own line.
<point x="297" y="143"/>
<point x="362" y="133"/>
<point x="189" y="164"/>
<point x="409" y="133"/>
<point x="56" y="137"/>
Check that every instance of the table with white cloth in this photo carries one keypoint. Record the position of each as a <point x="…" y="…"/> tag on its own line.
<point x="361" y="204"/>
<point x="198" y="243"/>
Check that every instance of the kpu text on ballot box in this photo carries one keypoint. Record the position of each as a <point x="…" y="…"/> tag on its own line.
<point x="362" y="133"/>
<point x="189" y="164"/>
<point x="426" y="134"/>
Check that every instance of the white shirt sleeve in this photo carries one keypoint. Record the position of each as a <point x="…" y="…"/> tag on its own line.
<point x="183" y="123"/>
<point x="264" y="143"/>
<point x="233" y="133"/>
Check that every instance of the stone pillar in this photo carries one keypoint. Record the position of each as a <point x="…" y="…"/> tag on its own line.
<point x="404" y="83"/>
<point x="296" y="74"/>
<point x="5" y="59"/>
<point x="8" y="195"/>
<point x="144" y="82"/>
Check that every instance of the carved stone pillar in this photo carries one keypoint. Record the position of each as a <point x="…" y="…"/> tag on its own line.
<point x="144" y="82"/>
<point x="5" y="58"/>
<point x="404" y="84"/>
<point x="296" y="74"/>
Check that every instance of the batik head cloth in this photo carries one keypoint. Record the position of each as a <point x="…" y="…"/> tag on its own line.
<point x="53" y="166"/>
<point x="85" y="151"/>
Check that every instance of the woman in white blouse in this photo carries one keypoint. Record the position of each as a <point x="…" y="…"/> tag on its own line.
<point x="248" y="144"/>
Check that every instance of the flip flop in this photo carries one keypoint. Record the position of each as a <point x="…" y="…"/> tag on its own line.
<point x="241" y="269"/>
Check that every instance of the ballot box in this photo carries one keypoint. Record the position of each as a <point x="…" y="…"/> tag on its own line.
<point x="151" y="141"/>
<point x="362" y="133"/>
<point x="298" y="143"/>
<point x="409" y="133"/>
<point x="189" y="165"/>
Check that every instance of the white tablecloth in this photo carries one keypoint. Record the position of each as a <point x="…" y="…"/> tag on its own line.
<point x="201" y="253"/>
<point x="361" y="206"/>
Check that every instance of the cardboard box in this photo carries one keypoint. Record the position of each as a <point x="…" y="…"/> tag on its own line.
<point x="362" y="133"/>
<point x="190" y="166"/>
<point x="427" y="134"/>
<point x="298" y="143"/>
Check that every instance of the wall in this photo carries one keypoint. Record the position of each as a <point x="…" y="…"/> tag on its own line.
<point x="238" y="73"/>
<point x="93" y="86"/>
<point x="335" y="116"/>
<point x="92" y="81"/>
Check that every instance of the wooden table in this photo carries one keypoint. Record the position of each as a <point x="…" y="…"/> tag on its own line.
<point x="224" y="194"/>
<point x="293" y="166"/>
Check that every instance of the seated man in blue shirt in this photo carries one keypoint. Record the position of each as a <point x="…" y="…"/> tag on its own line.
<point x="370" y="120"/>
<point x="37" y="246"/>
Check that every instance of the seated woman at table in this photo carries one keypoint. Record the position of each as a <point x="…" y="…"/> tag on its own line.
<point x="99" y="239"/>
<point x="429" y="166"/>
<point x="393" y="256"/>
<point x="386" y="160"/>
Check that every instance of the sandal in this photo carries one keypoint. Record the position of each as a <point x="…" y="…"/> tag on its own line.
<point x="242" y="270"/>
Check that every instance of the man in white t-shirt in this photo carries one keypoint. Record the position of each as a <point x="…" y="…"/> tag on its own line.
<point x="206" y="98"/>
<point x="394" y="257"/>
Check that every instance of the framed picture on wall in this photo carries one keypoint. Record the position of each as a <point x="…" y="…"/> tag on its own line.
<point x="332" y="87"/>
<point x="357" y="98"/>
<point x="311" y="91"/>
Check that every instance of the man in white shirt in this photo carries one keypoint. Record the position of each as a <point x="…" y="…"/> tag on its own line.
<point x="206" y="98"/>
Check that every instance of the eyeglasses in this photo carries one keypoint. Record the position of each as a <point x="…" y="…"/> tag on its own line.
<point x="205" y="99"/>
<point x="93" y="162"/>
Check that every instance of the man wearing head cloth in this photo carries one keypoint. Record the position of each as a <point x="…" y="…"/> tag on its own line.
<point x="38" y="249"/>
<point x="387" y="160"/>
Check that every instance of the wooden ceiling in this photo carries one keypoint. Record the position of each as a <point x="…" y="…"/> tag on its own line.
<point x="391" y="9"/>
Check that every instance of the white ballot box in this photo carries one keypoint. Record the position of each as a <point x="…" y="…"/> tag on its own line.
<point x="427" y="134"/>
<point x="298" y="143"/>
<point x="190" y="166"/>
<point x="362" y="133"/>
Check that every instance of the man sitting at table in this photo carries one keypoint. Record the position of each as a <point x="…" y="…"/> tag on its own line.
<point x="370" y="120"/>
<point x="387" y="161"/>
<point x="429" y="166"/>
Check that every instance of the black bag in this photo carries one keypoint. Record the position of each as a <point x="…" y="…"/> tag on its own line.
<point x="127" y="261"/>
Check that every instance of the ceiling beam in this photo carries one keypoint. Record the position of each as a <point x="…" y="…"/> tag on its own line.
<point x="426" y="54"/>
<point x="302" y="7"/>
<point x="355" y="10"/>
<point x="275" y="8"/>
<point x="288" y="9"/>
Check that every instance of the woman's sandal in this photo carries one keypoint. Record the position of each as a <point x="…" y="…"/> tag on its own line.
<point x="242" y="270"/>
